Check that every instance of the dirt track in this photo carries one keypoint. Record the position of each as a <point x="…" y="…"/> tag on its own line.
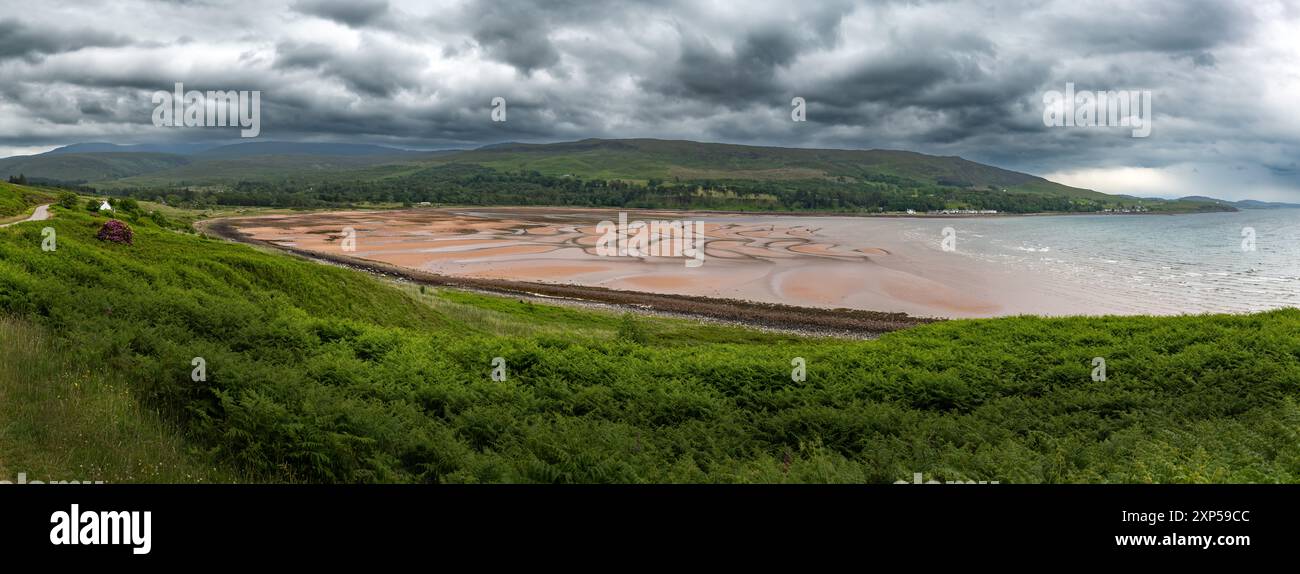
<point x="805" y="320"/>
<point x="41" y="213"/>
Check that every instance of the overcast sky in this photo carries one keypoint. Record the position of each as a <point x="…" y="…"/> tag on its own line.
<point x="950" y="78"/>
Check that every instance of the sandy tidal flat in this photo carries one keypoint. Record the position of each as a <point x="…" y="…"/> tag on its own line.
<point x="829" y="262"/>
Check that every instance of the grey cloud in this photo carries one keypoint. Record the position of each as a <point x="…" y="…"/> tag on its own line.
<point x="354" y="13"/>
<point x="737" y="78"/>
<point x="371" y="70"/>
<point x="516" y="34"/>
<point x="1204" y="59"/>
<point x="953" y="77"/>
<point x="1180" y="26"/>
<point x="21" y="40"/>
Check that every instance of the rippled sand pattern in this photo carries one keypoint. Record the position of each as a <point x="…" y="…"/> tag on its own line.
<point x="823" y="262"/>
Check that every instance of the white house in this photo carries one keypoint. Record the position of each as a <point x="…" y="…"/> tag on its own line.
<point x="106" y="206"/>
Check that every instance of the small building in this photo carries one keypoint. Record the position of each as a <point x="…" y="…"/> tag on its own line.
<point x="105" y="206"/>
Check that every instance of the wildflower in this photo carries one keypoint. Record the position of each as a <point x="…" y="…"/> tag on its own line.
<point x="115" y="231"/>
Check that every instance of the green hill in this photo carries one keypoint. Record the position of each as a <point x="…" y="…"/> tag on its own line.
<point x="632" y="159"/>
<point x="644" y="159"/>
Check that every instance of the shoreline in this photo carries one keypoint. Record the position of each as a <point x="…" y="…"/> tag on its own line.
<point x="810" y="213"/>
<point x="872" y="265"/>
<point x="839" y="274"/>
<point x="812" y="321"/>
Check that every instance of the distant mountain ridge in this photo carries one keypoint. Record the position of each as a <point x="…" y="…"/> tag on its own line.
<point x="234" y="149"/>
<point x="100" y="162"/>
<point x="1243" y="204"/>
<point x="104" y="147"/>
<point x="628" y="159"/>
<point x="88" y="167"/>
<point x="637" y="162"/>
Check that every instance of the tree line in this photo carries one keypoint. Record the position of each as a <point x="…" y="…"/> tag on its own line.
<point x="465" y="184"/>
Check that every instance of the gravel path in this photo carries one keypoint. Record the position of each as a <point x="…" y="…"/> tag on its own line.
<point x="41" y="214"/>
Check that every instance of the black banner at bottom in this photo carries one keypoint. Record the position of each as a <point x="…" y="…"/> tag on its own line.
<point x="767" y="525"/>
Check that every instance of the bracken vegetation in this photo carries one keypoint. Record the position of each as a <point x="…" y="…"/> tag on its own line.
<point x="316" y="373"/>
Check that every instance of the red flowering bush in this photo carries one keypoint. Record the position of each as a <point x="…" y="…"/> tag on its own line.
<point x="115" y="231"/>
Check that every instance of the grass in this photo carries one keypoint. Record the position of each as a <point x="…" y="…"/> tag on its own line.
<point x="64" y="420"/>
<point x="505" y="316"/>
<point x="321" y="374"/>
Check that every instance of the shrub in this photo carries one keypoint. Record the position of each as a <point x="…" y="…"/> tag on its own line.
<point x="125" y="204"/>
<point x="115" y="231"/>
<point x="68" y="200"/>
<point x="631" y="330"/>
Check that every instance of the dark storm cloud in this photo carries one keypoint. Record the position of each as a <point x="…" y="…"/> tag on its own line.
<point x="369" y="70"/>
<point x="951" y="77"/>
<point x="515" y="33"/>
<point x="703" y="71"/>
<point x="354" y="13"/>
<point x="964" y="90"/>
<point x="1181" y="26"/>
<point x="745" y="72"/>
<point x="21" y="40"/>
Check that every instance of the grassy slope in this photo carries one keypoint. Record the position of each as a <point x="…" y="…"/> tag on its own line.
<point x="16" y="201"/>
<point x="318" y="373"/>
<point x="12" y="204"/>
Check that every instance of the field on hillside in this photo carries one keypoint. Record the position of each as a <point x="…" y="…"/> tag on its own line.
<point x="315" y="373"/>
